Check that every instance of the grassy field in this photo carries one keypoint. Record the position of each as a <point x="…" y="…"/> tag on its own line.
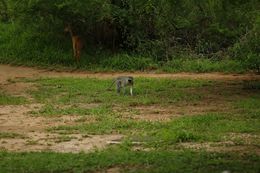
<point x="169" y="125"/>
<point x="129" y="161"/>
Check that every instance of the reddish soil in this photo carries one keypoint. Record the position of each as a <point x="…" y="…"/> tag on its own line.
<point x="11" y="72"/>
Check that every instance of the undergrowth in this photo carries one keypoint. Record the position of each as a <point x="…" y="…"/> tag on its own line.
<point x="25" y="47"/>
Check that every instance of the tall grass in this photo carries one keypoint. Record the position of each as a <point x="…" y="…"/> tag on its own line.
<point x="203" y="65"/>
<point x="128" y="161"/>
<point x="6" y="99"/>
<point x="19" y="46"/>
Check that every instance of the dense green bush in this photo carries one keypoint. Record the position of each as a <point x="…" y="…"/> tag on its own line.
<point x="20" y="45"/>
<point x="247" y="48"/>
<point x="32" y="33"/>
<point x="252" y="62"/>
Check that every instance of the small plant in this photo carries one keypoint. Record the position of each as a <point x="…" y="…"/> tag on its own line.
<point x="64" y="138"/>
<point x="252" y="62"/>
<point x="6" y="99"/>
<point x="10" y="135"/>
<point x="31" y="142"/>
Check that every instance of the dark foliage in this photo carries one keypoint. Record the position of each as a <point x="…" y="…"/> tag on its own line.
<point x="161" y="29"/>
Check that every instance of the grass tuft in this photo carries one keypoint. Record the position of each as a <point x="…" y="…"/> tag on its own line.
<point x="6" y="99"/>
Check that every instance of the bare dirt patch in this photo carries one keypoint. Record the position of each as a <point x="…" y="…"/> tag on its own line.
<point x="110" y="170"/>
<point x="16" y="119"/>
<point x="11" y="72"/>
<point x="42" y="141"/>
<point x="79" y="144"/>
<point x="18" y="89"/>
<point x="159" y="113"/>
<point x="222" y="147"/>
<point x="244" y="138"/>
<point x="214" y="99"/>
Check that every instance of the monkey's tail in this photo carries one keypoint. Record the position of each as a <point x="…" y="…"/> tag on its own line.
<point x="111" y="85"/>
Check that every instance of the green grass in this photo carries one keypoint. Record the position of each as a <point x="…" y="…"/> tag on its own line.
<point x="102" y="112"/>
<point x="108" y="125"/>
<point x="203" y="65"/>
<point x="69" y="92"/>
<point x="6" y="99"/>
<point x="209" y="127"/>
<point x="200" y="128"/>
<point x="249" y="107"/>
<point x="129" y="161"/>
<point x="7" y="135"/>
<point x="146" y="91"/>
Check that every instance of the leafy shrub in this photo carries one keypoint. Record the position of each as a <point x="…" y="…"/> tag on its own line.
<point x="247" y="49"/>
<point x="252" y="62"/>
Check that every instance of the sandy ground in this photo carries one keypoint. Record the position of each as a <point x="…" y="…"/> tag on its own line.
<point x="10" y="72"/>
<point x="34" y="137"/>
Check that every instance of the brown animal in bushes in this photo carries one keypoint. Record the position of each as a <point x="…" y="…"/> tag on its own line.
<point x="77" y="42"/>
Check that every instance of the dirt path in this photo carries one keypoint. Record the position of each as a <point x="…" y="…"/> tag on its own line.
<point x="10" y="72"/>
<point x="24" y="132"/>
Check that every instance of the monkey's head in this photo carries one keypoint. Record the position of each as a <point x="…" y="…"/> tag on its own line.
<point x="131" y="81"/>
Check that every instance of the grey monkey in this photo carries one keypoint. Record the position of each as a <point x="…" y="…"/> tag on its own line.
<point x="122" y="82"/>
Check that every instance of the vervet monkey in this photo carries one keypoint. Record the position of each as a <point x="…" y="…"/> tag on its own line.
<point x="122" y="82"/>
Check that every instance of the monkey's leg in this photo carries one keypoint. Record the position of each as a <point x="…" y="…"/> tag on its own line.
<point x="131" y="91"/>
<point x="124" y="90"/>
<point x="118" y="86"/>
